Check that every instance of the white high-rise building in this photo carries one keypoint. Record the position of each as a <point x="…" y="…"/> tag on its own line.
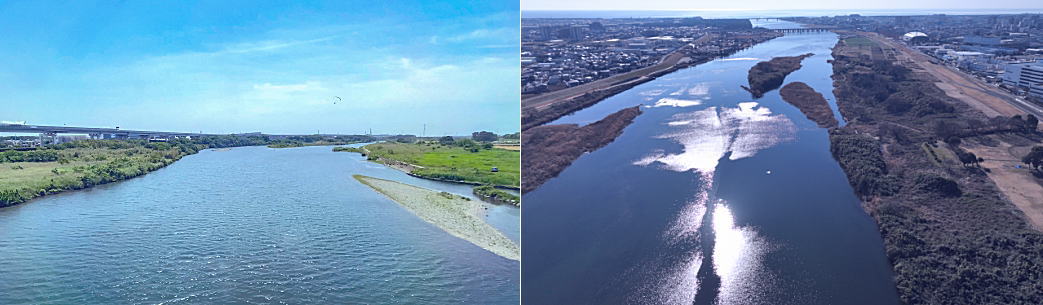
<point x="1025" y="76"/>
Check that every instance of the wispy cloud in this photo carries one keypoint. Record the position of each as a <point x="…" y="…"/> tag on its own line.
<point x="485" y="34"/>
<point x="283" y="79"/>
<point x="270" y="45"/>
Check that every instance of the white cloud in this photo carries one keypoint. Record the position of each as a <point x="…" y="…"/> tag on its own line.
<point x="305" y="86"/>
<point x="269" y="45"/>
<point x="485" y="34"/>
<point x="290" y="83"/>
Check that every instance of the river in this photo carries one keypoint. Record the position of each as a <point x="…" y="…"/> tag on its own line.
<point x="247" y="225"/>
<point x="709" y="197"/>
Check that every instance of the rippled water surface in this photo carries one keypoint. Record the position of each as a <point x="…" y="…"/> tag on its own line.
<point x="247" y="225"/>
<point x="709" y="197"/>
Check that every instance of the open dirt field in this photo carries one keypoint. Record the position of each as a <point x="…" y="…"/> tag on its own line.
<point x="1018" y="184"/>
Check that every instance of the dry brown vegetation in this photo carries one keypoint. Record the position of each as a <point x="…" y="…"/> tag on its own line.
<point x="550" y="149"/>
<point x="810" y="102"/>
<point x="768" y="75"/>
<point x="948" y="230"/>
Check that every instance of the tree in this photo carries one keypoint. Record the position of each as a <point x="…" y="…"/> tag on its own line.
<point x="467" y="143"/>
<point x="968" y="158"/>
<point x="446" y="140"/>
<point x="1034" y="158"/>
<point x="1016" y="123"/>
<point x="484" y="136"/>
<point x="1031" y="123"/>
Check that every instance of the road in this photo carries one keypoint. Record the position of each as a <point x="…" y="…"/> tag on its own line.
<point x="990" y="100"/>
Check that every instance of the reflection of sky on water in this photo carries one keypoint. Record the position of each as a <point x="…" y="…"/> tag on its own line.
<point x="676" y="102"/>
<point x="674" y="284"/>
<point x="653" y="92"/>
<point x="737" y="258"/>
<point x="676" y="279"/>
<point x="739" y="58"/>
<point x="709" y="134"/>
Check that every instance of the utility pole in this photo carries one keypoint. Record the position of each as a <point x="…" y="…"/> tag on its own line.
<point x="424" y="133"/>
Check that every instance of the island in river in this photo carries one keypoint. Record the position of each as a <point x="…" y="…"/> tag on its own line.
<point x="810" y="102"/>
<point x="768" y="75"/>
<point x="455" y="214"/>
<point x="549" y="149"/>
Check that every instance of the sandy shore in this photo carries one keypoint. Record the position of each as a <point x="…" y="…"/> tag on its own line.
<point x="456" y="215"/>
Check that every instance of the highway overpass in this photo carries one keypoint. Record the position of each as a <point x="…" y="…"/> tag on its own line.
<point x="100" y="133"/>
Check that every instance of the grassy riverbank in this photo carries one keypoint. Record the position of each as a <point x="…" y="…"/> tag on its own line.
<point x="950" y="233"/>
<point x="25" y="175"/>
<point x="319" y="140"/>
<point x="84" y="164"/>
<point x="454" y="163"/>
<point x="454" y="214"/>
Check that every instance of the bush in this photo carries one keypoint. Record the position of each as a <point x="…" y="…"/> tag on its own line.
<point x="861" y="159"/>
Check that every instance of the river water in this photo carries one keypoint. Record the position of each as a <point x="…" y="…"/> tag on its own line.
<point x="709" y="197"/>
<point x="247" y="225"/>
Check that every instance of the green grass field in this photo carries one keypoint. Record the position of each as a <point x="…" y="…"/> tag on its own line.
<point x="454" y="162"/>
<point x="80" y="167"/>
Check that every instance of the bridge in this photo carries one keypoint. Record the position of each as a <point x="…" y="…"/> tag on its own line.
<point x="95" y="133"/>
<point x="802" y="30"/>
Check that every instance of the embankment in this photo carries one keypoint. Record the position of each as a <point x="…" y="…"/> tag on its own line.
<point x="810" y="102"/>
<point x="454" y="214"/>
<point x="768" y="75"/>
<point x="549" y="149"/>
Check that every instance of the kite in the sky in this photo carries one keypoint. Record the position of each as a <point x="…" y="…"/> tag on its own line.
<point x="337" y="100"/>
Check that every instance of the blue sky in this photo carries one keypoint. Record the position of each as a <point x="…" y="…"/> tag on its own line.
<point x="237" y="66"/>
<point x="775" y="4"/>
